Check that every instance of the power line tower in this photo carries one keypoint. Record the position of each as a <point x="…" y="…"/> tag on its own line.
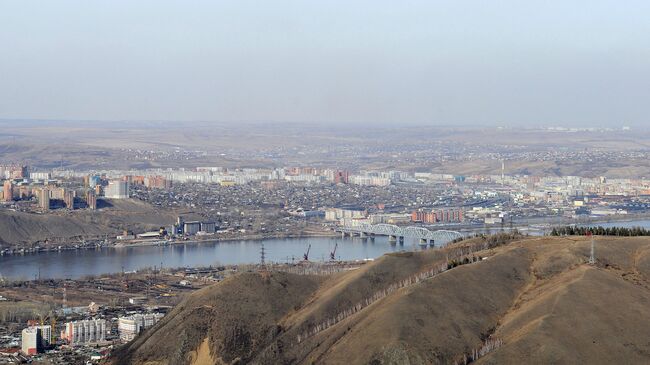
<point x="262" y="255"/>
<point x="592" y="257"/>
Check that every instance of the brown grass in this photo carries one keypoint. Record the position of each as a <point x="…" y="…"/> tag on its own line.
<point x="538" y="295"/>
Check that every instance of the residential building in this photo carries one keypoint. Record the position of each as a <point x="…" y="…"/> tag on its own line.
<point x="85" y="332"/>
<point x="44" y="199"/>
<point x="8" y="191"/>
<point x="129" y="327"/>
<point x="117" y="190"/>
<point x="35" y="339"/>
<point x="91" y="199"/>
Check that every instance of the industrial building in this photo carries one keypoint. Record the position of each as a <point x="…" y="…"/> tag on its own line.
<point x="131" y="326"/>
<point x="191" y="228"/>
<point x="85" y="332"/>
<point x="208" y="227"/>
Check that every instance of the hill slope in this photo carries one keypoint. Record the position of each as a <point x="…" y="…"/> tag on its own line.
<point x="538" y="296"/>
<point x="63" y="226"/>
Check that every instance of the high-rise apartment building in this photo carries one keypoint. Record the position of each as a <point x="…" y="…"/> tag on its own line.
<point x="68" y="198"/>
<point x="44" y="199"/>
<point x="117" y="190"/>
<point x="85" y="332"/>
<point x="91" y="199"/>
<point x="8" y="191"/>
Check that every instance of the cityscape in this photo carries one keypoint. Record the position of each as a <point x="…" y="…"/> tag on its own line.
<point x="231" y="204"/>
<point x="324" y="183"/>
<point x="321" y="198"/>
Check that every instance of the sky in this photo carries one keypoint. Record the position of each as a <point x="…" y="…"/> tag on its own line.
<point x="457" y="62"/>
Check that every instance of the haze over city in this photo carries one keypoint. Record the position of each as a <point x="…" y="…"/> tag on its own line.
<point x="422" y="62"/>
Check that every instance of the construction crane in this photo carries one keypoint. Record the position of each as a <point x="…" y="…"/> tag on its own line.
<point x="306" y="255"/>
<point x="333" y="253"/>
<point x="51" y="317"/>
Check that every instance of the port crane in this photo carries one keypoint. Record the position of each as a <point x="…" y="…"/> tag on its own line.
<point x="306" y="255"/>
<point x="333" y="253"/>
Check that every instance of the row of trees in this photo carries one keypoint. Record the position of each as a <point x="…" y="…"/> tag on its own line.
<point x="488" y="346"/>
<point x="600" y="231"/>
<point x="456" y="256"/>
<point x="329" y="322"/>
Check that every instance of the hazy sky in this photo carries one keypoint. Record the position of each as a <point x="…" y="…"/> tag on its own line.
<point x="435" y="62"/>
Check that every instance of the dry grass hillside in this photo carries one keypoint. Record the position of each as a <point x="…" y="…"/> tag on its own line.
<point x="63" y="226"/>
<point x="537" y="297"/>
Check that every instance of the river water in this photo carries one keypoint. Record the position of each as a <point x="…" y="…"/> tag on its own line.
<point x="74" y="264"/>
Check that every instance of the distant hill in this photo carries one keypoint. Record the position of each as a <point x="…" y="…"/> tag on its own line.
<point x="536" y="297"/>
<point x="115" y="216"/>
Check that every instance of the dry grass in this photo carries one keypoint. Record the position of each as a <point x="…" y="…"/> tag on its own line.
<point x="538" y="295"/>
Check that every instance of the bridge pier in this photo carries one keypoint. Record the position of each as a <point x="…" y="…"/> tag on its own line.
<point x="397" y="234"/>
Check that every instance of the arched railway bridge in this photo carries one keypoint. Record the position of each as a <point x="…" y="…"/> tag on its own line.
<point x="396" y="233"/>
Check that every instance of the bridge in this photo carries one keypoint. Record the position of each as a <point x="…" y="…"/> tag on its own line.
<point x="395" y="233"/>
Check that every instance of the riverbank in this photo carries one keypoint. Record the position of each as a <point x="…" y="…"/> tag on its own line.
<point x="159" y="242"/>
<point x="542" y="225"/>
<point x="211" y="239"/>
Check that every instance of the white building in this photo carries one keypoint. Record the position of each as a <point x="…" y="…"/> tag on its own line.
<point x="131" y="326"/>
<point x="117" y="190"/>
<point x="369" y="180"/>
<point x="43" y="176"/>
<point x="85" y="332"/>
<point x="35" y="339"/>
<point x="335" y="214"/>
<point x="31" y="341"/>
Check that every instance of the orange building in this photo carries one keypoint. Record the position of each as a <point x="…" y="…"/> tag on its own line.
<point x="8" y="190"/>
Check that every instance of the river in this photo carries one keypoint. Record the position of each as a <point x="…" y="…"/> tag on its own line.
<point x="74" y="264"/>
